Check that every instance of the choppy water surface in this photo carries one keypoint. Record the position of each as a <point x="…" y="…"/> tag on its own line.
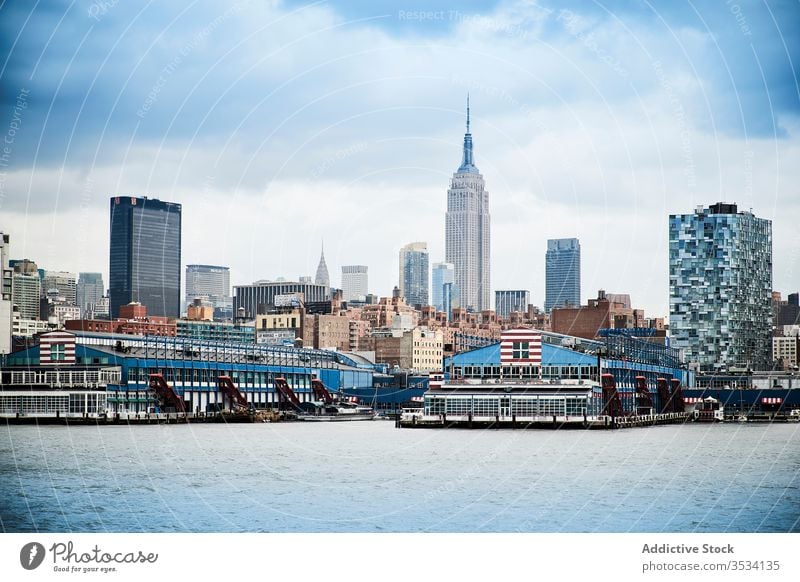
<point x="372" y="477"/>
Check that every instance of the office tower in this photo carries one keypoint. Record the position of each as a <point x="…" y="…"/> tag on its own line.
<point x="27" y="292"/>
<point x="211" y="282"/>
<point x="145" y="255"/>
<point x="90" y="291"/>
<point x="260" y="297"/>
<point x="506" y="302"/>
<point x="467" y="231"/>
<point x="414" y="273"/>
<point x="450" y="299"/>
<point x="441" y="273"/>
<point x="562" y="273"/>
<point x="322" y="277"/>
<point x="64" y="283"/>
<point x="720" y="287"/>
<point x="354" y="282"/>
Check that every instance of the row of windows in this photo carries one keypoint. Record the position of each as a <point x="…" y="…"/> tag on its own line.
<point x="507" y="406"/>
<point x="198" y="376"/>
<point x="564" y="372"/>
<point x="47" y="404"/>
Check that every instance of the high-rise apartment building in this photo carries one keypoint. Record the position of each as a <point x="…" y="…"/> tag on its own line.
<point x="506" y="302"/>
<point x="355" y="282"/>
<point x="89" y="292"/>
<point x="720" y="287"/>
<point x="441" y="273"/>
<point x="414" y="273"/>
<point x="212" y="282"/>
<point x="467" y="231"/>
<point x="27" y="289"/>
<point x="145" y="255"/>
<point x="562" y="273"/>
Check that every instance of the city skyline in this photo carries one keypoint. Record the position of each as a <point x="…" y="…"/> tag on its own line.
<point x="613" y="122"/>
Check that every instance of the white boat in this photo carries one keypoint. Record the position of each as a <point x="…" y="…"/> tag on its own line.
<point x="337" y="412"/>
<point x="794" y="415"/>
<point x="709" y="409"/>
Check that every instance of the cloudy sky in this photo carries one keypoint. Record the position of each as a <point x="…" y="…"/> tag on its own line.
<point x="280" y="124"/>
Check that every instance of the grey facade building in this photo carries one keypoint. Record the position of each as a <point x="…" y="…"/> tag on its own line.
<point x="355" y="282"/>
<point x="441" y="273"/>
<point x="145" y="255"/>
<point x="65" y="283"/>
<point x="89" y="292"/>
<point x="259" y="297"/>
<point x="210" y="281"/>
<point x="562" y="273"/>
<point x="506" y="302"/>
<point x="414" y="273"/>
<point x="27" y="289"/>
<point x="467" y="231"/>
<point x="720" y="287"/>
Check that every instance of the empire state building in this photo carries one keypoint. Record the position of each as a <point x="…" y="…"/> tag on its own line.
<point x="467" y="236"/>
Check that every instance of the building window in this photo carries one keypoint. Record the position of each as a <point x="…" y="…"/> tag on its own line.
<point x="520" y="351"/>
<point x="57" y="352"/>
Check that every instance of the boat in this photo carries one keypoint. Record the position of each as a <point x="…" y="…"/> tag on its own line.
<point x="709" y="409"/>
<point x="321" y="412"/>
<point x="794" y="415"/>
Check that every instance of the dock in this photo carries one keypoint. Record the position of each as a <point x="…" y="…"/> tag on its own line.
<point x="419" y="420"/>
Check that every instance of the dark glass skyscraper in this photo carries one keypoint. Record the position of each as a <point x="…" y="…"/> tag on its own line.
<point x="145" y="255"/>
<point x="562" y="273"/>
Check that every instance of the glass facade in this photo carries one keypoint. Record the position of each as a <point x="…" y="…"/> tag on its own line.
<point x="414" y="273"/>
<point x="505" y="302"/>
<point x="145" y="255"/>
<point x="441" y="274"/>
<point x="720" y="281"/>
<point x="562" y="273"/>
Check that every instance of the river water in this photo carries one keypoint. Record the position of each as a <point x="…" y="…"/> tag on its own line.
<point x="373" y="477"/>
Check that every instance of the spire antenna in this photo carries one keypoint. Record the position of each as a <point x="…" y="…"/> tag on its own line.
<point x="467" y="112"/>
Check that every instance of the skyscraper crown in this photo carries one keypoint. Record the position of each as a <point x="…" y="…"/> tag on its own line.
<point x="467" y="163"/>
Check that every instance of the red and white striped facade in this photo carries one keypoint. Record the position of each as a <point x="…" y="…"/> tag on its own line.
<point x="521" y="337"/>
<point x="51" y="352"/>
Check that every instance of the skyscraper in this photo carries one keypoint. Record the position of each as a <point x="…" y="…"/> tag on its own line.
<point x="27" y="289"/>
<point x="89" y="292"/>
<point x="322" y="277"/>
<point x="354" y="282"/>
<point x="467" y="231"/>
<point x="562" y="273"/>
<point x="414" y="273"/>
<point x="145" y="255"/>
<point x="65" y="283"/>
<point x="720" y="287"/>
<point x="440" y="274"/>
<point x="505" y="302"/>
<point x="210" y="281"/>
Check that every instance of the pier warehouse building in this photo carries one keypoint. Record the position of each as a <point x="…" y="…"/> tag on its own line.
<point x="524" y="356"/>
<point x="92" y="374"/>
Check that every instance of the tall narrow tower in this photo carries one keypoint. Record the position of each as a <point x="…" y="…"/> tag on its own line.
<point x="322" y="277"/>
<point x="467" y="238"/>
